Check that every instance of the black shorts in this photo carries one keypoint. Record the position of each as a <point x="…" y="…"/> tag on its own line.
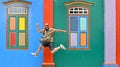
<point x="50" y="45"/>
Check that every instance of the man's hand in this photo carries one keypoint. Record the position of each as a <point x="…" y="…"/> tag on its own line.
<point x="37" y="26"/>
<point x="38" y="30"/>
<point x="65" y="31"/>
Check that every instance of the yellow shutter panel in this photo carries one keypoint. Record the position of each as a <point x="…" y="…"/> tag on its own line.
<point x="21" y="23"/>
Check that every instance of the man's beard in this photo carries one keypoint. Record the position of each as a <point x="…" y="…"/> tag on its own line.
<point x="47" y="29"/>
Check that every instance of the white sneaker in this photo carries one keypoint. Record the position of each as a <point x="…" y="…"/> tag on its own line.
<point x="62" y="47"/>
<point x="34" y="54"/>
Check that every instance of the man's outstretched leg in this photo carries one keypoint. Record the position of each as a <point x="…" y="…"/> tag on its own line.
<point x="58" y="48"/>
<point x="37" y="52"/>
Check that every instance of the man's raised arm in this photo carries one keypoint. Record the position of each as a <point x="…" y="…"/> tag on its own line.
<point x="59" y="30"/>
<point x="40" y="31"/>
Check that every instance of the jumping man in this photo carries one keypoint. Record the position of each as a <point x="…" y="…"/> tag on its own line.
<point x="48" y="32"/>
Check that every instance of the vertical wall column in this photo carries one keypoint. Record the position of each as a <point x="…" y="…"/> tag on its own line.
<point x="110" y="34"/>
<point x="118" y="30"/>
<point x="48" y="18"/>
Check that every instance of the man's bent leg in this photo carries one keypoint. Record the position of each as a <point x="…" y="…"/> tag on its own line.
<point x="37" y="52"/>
<point x="39" y="48"/>
<point x="53" y="50"/>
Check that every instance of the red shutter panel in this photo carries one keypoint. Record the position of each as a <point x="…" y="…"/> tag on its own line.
<point x="12" y="39"/>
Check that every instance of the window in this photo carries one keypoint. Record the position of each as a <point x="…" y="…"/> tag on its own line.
<point x="78" y="10"/>
<point x="17" y="32"/>
<point x="17" y="24"/>
<point x="78" y="28"/>
<point x="17" y="10"/>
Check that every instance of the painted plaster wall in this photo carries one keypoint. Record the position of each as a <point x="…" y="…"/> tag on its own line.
<point x="80" y="58"/>
<point x="22" y="58"/>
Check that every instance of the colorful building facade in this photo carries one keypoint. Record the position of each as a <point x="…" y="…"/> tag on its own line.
<point x="89" y="32"/>
<point x="92" y="39"/>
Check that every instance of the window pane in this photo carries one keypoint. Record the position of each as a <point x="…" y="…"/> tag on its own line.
<point x="83" y="24"/>
<point x="21" y="23"/>
<point x="83" y="39"/>
<point x="80" y="12"/>
<point x="73" y="39"/>
<point x="76" y="8"/>
<point x="75" y="12"/>
<point x="71" y="12"/>
<point x="21" y="39"/>
<point x="71" y="9"/>
<point x="12" y="23"/>
<point x="73" y="23"/>
<point x="84" y="9"/>
<point x="12" y="39"/>
<point x="85" y="12"/>
<point x="80" y="8"/>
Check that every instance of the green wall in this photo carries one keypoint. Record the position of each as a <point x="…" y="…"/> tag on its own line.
<point x="80" y="58"/>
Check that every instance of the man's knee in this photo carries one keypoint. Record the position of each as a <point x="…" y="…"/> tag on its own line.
<point x="52" y="52"/>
